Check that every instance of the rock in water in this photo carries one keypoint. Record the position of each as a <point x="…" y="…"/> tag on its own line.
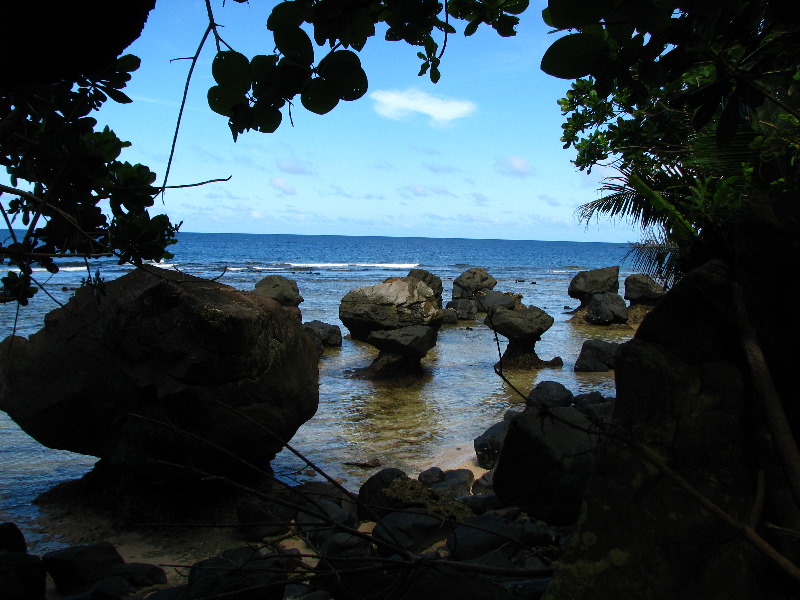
<point x="395" y="303"/>
<point x="156" y="371"/>
<point x="281" y="289"/>
<point x="588" y="283"/>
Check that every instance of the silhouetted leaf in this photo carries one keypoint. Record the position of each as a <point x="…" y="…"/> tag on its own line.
<point x="573" y="56"/>
<point x="295" y="44"/>
<point x="287" y="15"/>
<point x="472" y="27"/>
<point x="222" y="100"/>
<point x="319" y="96"/>
<point x="232" y="70"/>
<point x="342" y="69"/>
<point x="515" y="7"/>
<point x="266" y="118"/>
<point x="261" y="66"/>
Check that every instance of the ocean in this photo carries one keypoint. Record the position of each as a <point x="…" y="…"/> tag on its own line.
<point x="430" y="422"/>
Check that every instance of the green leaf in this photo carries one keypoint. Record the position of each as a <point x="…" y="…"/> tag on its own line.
<point x="261" y="66"/>
<point x="319" y="96"/>
<point x="471" y="27"/>
<point x="287" y="15"/>
<point x="223" y="100"/>
<point x="548" y="20"/>
<point x="573" y="56"/>
<point x="515" y="7"/>
<point x="567" y="14"/>
<point x="232" y="70"/>
<point x="266" y="118"/>
<point x="128" y="63"/>
<point x="342" y="69"/>
<point x="116" y="95"/>
<point x="295" y="44"/>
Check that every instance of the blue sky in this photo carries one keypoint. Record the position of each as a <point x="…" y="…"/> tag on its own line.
<point x="476" y="155"/>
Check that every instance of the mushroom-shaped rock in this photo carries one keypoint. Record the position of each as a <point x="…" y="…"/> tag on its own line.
<point x="432" y="281"/>
<point x="472" y="281"/>
<point x="642" y="289"/>
<point x="596" y="281"/>
<point x="395" y="303"/>
<point x="606" y="308"/>
<point x="413" y="341"/>
<point x="523" y="327"/>
<point x="487" y="300"/>
<point x="284" y="291"/>
<point x="167" y="367"/>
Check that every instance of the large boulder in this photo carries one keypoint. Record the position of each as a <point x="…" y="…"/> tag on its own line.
<point x="683" y="393"/>
<point x="432" y="281"/>
<point x="281" y="289"/>
<point x="395" y="303"/>
<point x="413" y="341"/>
<point x="488" y="299"/>
<point x="642" y="289"/>
<point x="471" y="282"/>
<point x="523" y="326"/>
<point x="158" y="369"/>
<point x="597" y="356"/>
<point x="596" y="281"/>
<point x="606" y="308"/>
<point x="545" y="463"/>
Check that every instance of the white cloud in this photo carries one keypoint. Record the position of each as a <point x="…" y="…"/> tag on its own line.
<point x="280" y="184"/>
<point x="515" y="166"/>
<point x="480" y="199"/>
<point x="295" y="167"/>
<point x="395" y="104"/>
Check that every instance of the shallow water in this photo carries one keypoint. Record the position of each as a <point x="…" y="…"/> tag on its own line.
<point x="411" y="426"/>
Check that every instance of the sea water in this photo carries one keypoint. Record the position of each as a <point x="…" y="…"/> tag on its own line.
<point x="410" y="426"/>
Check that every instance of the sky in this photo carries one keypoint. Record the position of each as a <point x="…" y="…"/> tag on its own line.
<point x="476" y="155"/>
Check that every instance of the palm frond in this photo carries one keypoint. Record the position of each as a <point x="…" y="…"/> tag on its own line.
<point x="657" y="256"/>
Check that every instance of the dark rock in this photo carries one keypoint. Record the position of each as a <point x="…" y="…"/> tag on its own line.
<point x="522" y="325"/>
<point x="432" y="281"/>
<point x="395" y="303"/>
<point x="456" y="483"/>
<point x="480" y="503"/>
<point x="597" y="356"/>
<point x="489" y="443"/>
<point x="482" y="534"/>
<point x="597" y="281"/>
<point x="470" y="282"/>
<point x="591" y="398"/>
<point x="75" y="568"/>
<point x="329" y="335"/>
<point x="372" y="494"/>
<point x="263" y="518"/>
<point x="606" y="308"/>
<point x="489" y="299"/>
<point x="239" y="574"/>
<point x="431" y="476"/>
<point x="22" y="576"/>
<point x="139" y="575"/>
<point x="545" y="464"/>
<point x="163" y="353"/>
<point x="109" y="588"/>
<point x="11" y="538"/>
<point x="601" y="412"/>
<point x="413" y="341"/>
<point x="345" y="545"/>
<point x="683" y="389"/>
<point x="450" y="316"/>
<point x="549" y="394"/>
<point x="284" y="291"/>
<point x="320" y="518"/>
<point x="392" y="366"/>
<point x="465" y="308"/>
<point x="641" y="289"/>
<point x="414" y="529"/>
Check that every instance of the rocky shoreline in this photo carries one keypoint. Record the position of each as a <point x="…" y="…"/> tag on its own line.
<point x="495" y="529"/>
